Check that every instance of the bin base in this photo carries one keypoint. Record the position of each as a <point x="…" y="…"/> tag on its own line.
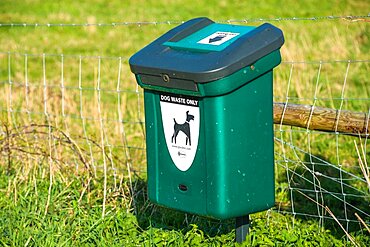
<point x="241" y="228"/>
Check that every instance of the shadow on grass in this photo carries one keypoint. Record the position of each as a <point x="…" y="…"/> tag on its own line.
<point x="315" y="182"/>
<point x="151" y="215"/>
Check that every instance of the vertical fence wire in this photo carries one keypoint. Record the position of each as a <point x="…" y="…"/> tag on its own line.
<point x="317" y="189"/>
<point x="102" y="143"/>
<point x="49" y="137"/>
<point x="122" y="128"/>
<point x="82" y="117"/>
<point x="285" y="160"/>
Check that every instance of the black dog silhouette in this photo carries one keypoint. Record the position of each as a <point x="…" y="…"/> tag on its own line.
<point x="185" y="127"/>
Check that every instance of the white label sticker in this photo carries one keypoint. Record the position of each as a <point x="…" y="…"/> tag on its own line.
<point x="217" y="38"/>
<point x="181" y="120"/>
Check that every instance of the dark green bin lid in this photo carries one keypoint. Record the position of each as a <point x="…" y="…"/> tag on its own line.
<point x="201" y="50"/>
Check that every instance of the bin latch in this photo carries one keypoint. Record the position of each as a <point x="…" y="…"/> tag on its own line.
<point x="166" y="78"/>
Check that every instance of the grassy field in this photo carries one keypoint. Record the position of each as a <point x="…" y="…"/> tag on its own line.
<point x="57" y="182"/>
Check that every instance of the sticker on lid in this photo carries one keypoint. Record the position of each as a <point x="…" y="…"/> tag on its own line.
<point x="217" y="38"/>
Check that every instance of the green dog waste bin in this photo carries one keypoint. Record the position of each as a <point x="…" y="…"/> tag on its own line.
<point x="209" y="117"/>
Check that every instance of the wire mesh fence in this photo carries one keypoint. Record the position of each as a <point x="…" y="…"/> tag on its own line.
<point x="84" y="115"/>
<point x="322" y="168"/>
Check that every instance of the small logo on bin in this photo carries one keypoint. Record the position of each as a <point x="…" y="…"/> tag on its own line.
<point x="185" y="128"/>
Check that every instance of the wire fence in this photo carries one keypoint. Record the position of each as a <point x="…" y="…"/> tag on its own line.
<point x="352" y="18"/>
<point x="84" y="115"/>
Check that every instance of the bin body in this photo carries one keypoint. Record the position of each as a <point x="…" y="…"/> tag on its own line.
<point x="210" y="146"/>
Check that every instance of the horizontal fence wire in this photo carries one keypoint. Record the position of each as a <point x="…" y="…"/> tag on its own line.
<point x="125" y="59"/>
<point x="352" y="18"/>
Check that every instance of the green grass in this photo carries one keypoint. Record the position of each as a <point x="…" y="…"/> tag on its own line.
<point x="74" y="222"/>
<point x="74" y="214"/>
